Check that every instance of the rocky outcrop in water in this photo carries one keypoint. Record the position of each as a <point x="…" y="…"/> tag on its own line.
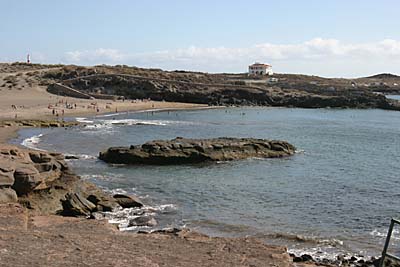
<point x="186" y="151"/>
<point x="38" y="123"/>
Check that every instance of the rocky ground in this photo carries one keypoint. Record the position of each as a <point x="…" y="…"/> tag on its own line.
<point x="37" y="187"/>
<point x="59" y="241"/>
<point x="187" y="151"/>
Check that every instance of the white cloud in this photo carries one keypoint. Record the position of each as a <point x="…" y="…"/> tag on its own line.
<point x="87" y="56"/>
<point x="329" y="57"/>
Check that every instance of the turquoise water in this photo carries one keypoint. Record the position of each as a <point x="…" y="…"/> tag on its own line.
<point x="337" y="194"/>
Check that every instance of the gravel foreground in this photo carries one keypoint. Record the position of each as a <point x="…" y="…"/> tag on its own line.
<point x="28" y="240"/>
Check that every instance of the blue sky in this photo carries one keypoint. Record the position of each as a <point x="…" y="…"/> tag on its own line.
<point x="342" y="38"/>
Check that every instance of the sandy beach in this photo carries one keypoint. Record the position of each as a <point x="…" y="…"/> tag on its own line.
<point x="26" y="100"/>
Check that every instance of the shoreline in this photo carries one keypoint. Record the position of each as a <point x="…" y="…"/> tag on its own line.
<point x="55" y="234"/>
<point x="9" y="133"/>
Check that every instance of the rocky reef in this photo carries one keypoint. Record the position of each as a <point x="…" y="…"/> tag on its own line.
<point x="37" y="123"/>
<point x="43" y="182"/>
<point x="186" y="151"/>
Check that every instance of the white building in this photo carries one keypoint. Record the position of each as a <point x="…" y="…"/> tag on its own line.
<point x="260" y="69"/>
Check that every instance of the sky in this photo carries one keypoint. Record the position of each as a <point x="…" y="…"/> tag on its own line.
<point x="331" y="38"/>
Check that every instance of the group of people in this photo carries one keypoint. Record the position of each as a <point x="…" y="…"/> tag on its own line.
<point x="62" y="104"/>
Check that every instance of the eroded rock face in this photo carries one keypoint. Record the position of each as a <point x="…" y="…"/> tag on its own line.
<point x="25" y="171"/>
<point x="8" y="195"/>
<point x="182" y="150"/>
<point x="43" y="182"/>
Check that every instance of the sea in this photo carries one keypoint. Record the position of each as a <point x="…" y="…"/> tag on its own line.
<point x="336" y="195"/>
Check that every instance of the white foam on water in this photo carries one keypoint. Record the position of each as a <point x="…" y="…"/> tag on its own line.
<point x="109" y="115"/>
<point x="84" y="156"/>
<point x="383" y="233"/>
<point x="98" y="126"/>
<point x="118" y="191"/>
<point x="162" y="208"/>
<point x="144" y="122"/>
<point x="81" y="156"/>
<point x="316" y="253"/>
<point x="123" y="217"/>
<point x="135" y="122"/>
<point x="83" y="120"/>
<point x="32" y="142"/>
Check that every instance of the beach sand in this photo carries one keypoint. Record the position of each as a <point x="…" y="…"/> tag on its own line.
<point x="26" y="100"/>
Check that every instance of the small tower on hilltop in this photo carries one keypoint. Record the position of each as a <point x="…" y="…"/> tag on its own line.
<point x="28" y="59"/>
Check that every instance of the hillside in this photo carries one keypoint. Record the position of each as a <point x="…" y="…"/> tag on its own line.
<point x="291" y="90"/>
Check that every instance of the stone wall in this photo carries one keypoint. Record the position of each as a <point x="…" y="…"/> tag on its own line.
<point x="60" y="89"/>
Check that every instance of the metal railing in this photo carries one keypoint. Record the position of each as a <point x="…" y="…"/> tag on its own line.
<point x="385" y="254"/>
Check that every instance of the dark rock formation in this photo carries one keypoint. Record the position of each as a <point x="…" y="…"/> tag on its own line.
<point x="38" y="123"/>
<point x="181" y="151"/>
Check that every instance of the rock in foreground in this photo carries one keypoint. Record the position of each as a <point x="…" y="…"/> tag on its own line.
<point x="186" y="151"/>
<point x="43" y="182"/>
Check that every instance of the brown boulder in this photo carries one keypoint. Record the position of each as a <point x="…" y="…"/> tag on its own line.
<point x="7" y="195"/>
<point x="76" y="205"/>
<point x="128" y="201"/>
<point x="6" y="178"/>
<point x="26" y="178"/>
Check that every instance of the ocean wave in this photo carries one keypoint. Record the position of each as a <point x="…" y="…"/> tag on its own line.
<point x="383" y="233"/>
<point x="162" y="208"/>
<point x="32" y="142"/>
<point x="123" y="217"/>
<point x="117" y="191"/>
<point x="307" y="239"/>
<point x="109" y="115"/>
<point x="83" y="120"/>
<point x="318" y="254"/>
<point x="98" y="126"/>
<point x="130" y="122"/>
<point x="81" y="156"/>
<point x="135" y="122"/>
